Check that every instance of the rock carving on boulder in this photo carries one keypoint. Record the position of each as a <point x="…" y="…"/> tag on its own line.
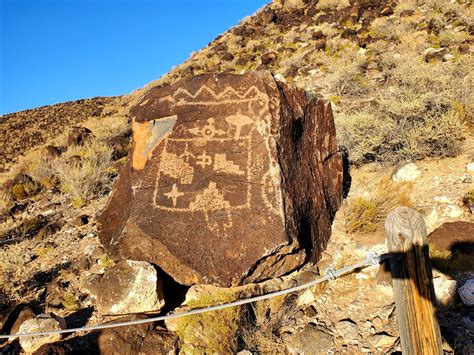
<point x="232" y="179"/>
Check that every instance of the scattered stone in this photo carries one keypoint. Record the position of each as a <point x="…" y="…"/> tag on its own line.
<point x="407" y="172"/>
<point x="470" y="168"/>
<point x="434" y="53"/>
<point x="455" y="237"/>
<point x="222" y="155"/>
<point x="78" y="136"/>
<point x="445" y="291"/>
<point x="466" y="292"/>
<point x="39" y="324"/>
<point x="128" y="287"/>
<point x="81" y="220"/>
<point x="310" y="340"/>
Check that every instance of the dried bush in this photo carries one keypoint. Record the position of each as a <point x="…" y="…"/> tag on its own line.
<point x="84" y="172"/>
<point x="364" y="214"/>
<point x="260" y="331"/>
<point x="109" y="126"/>
<point x="363" y="134"/>
<point x="346" y="75"/>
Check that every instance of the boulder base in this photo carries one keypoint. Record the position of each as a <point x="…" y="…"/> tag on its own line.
<point x="232" y="179"/>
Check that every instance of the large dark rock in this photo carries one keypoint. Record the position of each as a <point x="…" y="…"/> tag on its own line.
<point x="232" y="179"/>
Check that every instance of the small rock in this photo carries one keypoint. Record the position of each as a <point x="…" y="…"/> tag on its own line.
<point x="81" y="220"/>
<point x="24" y="315"/>
<point x="310" y="340"/>
<point x="445" y="291"/>
<point x="348" y="330"/>
<point x="407" y="172"/>
<point x="448" y="57"/>
<point x="434" y="53"/>
<point x="39" y="324"/>
<point x="128" y="287"/>
<point x="280" y="77"/>
<point x="268" y="58"/>
<point x="470" y="168"/>
<point x="79" y="135"/>
<point x="47" y="230"/>
<point x="466" y="292"/>
<point x="453" y="211"/>
<point x="383" y="342"/>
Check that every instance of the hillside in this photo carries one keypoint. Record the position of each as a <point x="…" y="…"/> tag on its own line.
<point x="399" y="76"/>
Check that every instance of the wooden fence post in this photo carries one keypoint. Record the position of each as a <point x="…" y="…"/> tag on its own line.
<point x="412" y="278"/>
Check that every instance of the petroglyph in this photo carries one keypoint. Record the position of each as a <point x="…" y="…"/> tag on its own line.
<point x="187" y="152"/>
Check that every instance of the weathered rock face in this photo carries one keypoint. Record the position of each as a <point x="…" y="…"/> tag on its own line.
<point x="232" y="179"/>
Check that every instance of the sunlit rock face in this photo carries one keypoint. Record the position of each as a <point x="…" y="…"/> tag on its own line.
<point x="232" y="179"/>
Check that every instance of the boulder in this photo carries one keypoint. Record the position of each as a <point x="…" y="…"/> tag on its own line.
<point x="128" y="287"/>
<point x="455" y="237"/>
<point x="466" y="292"/>
<point x="136" y="339"/>
<point x="232" y="179"/>
<point x="41" y="323"/>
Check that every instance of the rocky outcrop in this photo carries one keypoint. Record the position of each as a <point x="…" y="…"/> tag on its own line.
<point x="232" y="179"/>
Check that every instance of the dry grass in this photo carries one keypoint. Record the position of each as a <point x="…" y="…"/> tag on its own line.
<point x="109" y="126"/>
<point x="333" y="4"/>
<point x="448" y="263"/>
<point x="5" y="201"/>
<point x="84" y="172"/>
<point x="260" y="332"/>
<point x="364" y="214"/>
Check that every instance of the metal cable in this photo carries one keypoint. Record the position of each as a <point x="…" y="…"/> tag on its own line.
<point x="330" y="274"/>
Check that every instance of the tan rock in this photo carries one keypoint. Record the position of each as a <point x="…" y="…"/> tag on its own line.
<point x="39" y="324"/>
<point x="128" y="287"/>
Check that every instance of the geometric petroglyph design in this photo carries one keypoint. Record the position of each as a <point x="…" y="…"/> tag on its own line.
<point x="215" y="148"/>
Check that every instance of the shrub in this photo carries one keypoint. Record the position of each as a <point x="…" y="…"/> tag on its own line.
<point x="363" y="134"/>
<point x="346" y="75"/>
<point x="84" y="172"/>
<point x="364" y="214"/>
<point x="109" y="126"/>
<point x="260" y="331"/>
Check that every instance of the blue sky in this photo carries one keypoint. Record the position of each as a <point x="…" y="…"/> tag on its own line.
<point x="55" y="51"/>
